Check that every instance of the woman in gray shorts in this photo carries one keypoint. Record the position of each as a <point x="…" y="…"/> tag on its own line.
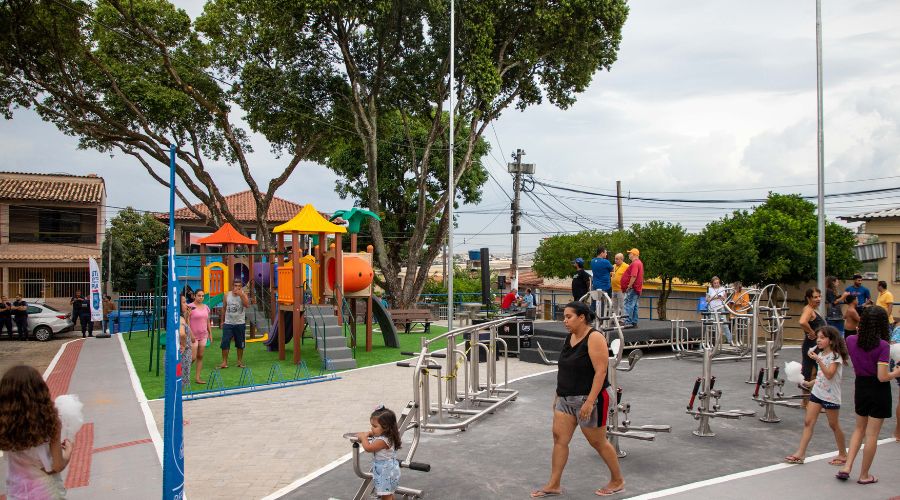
<point x="581" y="400"/>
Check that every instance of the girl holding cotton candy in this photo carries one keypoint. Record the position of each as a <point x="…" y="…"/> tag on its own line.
<point x="35" y="434"/>
<point x="830" y="355"/>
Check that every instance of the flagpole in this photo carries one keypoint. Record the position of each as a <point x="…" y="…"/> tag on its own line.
<point x="451" y="184"/>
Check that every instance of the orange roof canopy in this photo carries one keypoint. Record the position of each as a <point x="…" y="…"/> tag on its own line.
<point x="225" y="235"/>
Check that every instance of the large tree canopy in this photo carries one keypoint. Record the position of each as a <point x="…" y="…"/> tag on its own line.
<point x="393" y="59"/>
<point x="137" y="241"/>
<point x="775" y="242"/>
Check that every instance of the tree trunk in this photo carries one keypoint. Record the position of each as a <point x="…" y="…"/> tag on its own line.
<point x="665" y="290"/>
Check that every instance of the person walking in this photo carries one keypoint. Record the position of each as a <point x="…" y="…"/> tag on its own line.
<point x="235" y="326"/>
<point x="201" y="329"/>
<point x="870" y="355"/>
<point x="618" y="296"/>
<point x="582" y="399"/>
<point x="20" y="316"/>
<point x="633" y="285"/>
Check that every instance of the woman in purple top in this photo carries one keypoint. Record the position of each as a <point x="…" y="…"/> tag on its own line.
<point x="870" y="354"/>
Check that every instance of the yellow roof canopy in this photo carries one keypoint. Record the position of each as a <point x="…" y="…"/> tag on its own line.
<point x="309" y="221"/>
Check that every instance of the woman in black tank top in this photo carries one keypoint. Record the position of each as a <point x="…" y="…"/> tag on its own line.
<point x="581" y="399"/>
<point x="810" y="322"/>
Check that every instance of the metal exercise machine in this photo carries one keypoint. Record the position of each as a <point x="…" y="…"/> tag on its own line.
<point x="405" y="423"/>
<point x="767" y="378"/>
<point x="705" y="391"/>
<point x="618" y="424"/>
<point x="712" y="332"/>
<point x="770" y="310"/>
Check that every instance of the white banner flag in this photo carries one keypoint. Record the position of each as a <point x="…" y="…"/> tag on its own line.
<point x="96" y="300"/>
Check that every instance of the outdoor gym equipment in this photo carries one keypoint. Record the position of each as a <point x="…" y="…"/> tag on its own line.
<point x="619" y="412"/>
<point x="704" y="390"/>
<point x="771" y="301"/>
<point x="768" y="380"/>
<point x="712" y="332"/>
<point x="477" y="399"/>
<point x="406" y="422"/>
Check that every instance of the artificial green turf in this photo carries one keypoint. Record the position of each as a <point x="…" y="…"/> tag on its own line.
<point x="260" y="360"/>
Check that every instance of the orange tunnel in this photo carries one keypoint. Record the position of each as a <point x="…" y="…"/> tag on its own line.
<point x="357" y="274"/>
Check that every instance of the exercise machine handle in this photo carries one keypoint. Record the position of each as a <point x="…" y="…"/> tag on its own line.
<point x="419" y="466"/>
<point x="759" y="381"/>
<point x="694" y="393"/>
<point x="431" y="354"/>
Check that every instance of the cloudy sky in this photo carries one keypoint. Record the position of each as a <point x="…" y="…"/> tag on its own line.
<point x="709" y="99"/>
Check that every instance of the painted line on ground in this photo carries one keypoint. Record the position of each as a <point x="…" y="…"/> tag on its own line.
<point x="59" y="379"/>
<point x="55" y="359"/>
<point x="142" y="401"/>
<point x="80" y="463"/>
<point x="121" y="445"/>
<point x="340" y="461"/>
<point x="737" y="475"/>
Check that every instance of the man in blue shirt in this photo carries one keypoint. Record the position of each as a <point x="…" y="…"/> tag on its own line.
<point x="862" y="294"/>
<point x="602" y="270"/>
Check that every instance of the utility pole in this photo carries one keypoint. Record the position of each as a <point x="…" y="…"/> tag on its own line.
<point x="619" y="203"/>
<point x="518" y="168"/>
<point x="820" y="261"/>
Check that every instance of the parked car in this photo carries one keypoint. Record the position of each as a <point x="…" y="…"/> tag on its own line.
<point x="44" y="321"/>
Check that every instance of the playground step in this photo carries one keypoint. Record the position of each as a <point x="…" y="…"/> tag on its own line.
<point x="332" y="341"/>
<point x="336" y="353"/>
<point x="343" y="363"/>
<point x="333" y="330"/>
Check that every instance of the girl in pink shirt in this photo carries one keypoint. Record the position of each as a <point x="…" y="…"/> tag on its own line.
<point x="201" y="329"/>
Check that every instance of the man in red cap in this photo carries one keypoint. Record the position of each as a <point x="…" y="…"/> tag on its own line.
<point x="633" y="285"/>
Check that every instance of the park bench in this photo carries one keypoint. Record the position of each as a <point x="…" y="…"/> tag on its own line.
<point x="409" y="317"/>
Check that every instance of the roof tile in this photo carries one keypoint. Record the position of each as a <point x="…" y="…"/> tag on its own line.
<point x="44" y="187"/>
<point x="243" y="206"/>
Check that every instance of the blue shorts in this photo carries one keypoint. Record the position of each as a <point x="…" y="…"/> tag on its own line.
<point x="237" y="332"/>
<point x="385" y="476"/>
<point x="824" y="404"/>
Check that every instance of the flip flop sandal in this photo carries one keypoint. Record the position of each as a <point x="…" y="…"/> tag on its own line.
<point x="791" y="459"/>
<point x="873" y="480"/>
<point x="843" y="476"/>
<point x="543" y="493"/>
<point x="605" y="492"/>
<point x="838" y="461"/>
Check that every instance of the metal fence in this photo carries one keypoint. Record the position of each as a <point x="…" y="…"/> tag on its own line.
<point x="36" y="283"/>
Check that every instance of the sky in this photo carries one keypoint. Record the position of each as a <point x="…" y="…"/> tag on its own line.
<point x="712" y="100"/>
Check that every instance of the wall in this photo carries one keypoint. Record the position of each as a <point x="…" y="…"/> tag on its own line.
<point x="888" y="232"/>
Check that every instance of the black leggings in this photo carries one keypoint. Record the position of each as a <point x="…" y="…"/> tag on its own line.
<point x="22" y="327"/>
<point x="6" y="323"/>
<point x="86" y="324"/>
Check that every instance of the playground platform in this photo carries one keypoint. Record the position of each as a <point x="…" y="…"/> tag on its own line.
<point x="507" y="454"/>
<point x="114" y="455"/>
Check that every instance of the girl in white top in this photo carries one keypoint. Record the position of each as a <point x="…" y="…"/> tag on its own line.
<point x="715" y="298"/>
<point x="383" y="441"/>
<point x="830" y="355"/>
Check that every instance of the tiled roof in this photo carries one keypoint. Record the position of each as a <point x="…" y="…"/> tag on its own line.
<point x="47" y="252"/>
<point x="880" y="214"/>
<point x="243" y="206"/>
<point x="51" y="187"/>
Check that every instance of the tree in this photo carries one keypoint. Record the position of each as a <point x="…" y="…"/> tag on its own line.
<point x="134" y="77"/>
<point x="138" y="239"/>
<point x="553" y="257"/>
<point x="661" y="246"/>
<point x="775" y="242"/>
<point x="394" y="64"/>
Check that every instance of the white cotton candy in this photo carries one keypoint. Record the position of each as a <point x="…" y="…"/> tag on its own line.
<point x="895" y="352"/>
<point x="70" y="413"/>
<point x="792" y="372"/>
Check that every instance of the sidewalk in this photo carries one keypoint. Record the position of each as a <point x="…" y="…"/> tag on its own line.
<point x="114" y="456"/>
<point x="251" y="445"/>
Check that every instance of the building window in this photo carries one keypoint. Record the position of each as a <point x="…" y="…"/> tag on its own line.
<point x="34" y="224"/>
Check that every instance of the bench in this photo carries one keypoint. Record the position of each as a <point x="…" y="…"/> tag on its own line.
<point x="409" y="317"/>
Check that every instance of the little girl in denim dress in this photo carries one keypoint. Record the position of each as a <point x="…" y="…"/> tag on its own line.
<point x="383" y="441"/>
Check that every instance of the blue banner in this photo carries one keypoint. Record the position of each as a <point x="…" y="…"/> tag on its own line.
<point x="173" y="426"/>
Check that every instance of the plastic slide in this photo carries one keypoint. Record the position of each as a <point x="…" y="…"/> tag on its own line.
<point x="388" y="330"/>
<point x="272" y="343"/>
<point x="214" y="300"/>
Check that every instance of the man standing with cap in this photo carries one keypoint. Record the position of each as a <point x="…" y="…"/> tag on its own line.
<point x="581" y="282"/>
<point x="862" y="294"/>
<point x="235" y="326"/>
<point x="633" y="285"/>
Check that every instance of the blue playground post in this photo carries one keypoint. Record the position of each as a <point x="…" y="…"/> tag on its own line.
<point x="173" y="425"/>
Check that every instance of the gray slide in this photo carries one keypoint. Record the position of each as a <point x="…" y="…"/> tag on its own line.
<point x="388" y="331"/>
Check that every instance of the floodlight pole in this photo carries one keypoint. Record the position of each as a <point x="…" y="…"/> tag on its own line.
<point x="820" y="274"/>
<point x="451" y="181"/>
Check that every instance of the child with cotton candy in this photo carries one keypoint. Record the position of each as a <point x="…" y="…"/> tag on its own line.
<point x="35" y="435"/>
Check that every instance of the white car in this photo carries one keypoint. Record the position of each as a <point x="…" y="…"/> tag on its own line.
<point x="44" y="321"/>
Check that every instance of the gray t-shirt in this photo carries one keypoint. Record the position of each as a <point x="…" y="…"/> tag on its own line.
<point x="234" y="310"/>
